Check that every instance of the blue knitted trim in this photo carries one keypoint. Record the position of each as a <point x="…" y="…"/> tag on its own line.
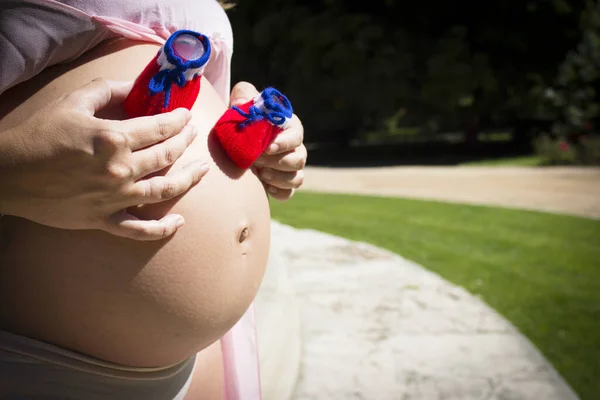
<point x="164" y="79"/>
<point x="277" y="111"/>
<point x="190" y="64"/>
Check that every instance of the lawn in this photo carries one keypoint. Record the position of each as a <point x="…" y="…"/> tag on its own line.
<point x="524" y="161"/>
<point x="541" y="271"/>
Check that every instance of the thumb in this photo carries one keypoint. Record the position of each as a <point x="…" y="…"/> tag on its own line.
<point x="99" y="94"/>
<point x="242" y="93"/>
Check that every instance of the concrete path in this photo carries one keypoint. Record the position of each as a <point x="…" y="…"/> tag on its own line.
<point x="566" y="190"/>
<point x="344" y="320"/>
<point x="375" y="326"/>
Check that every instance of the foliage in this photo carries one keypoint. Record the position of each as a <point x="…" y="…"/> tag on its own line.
<point x="554" y="151"/>
<point x="576" y="94"/>
<point x="351" y="68"/>
<point x="589" y="150"/>
<point x="340" y="68"/>
<point x="559" y="151"/>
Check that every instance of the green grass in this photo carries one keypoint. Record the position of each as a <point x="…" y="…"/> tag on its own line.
<point x="541" y="271"/>
<point x="495" y="136"/>
<point x="525" y="161"/>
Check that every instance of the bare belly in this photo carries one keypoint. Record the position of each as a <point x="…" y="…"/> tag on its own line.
<point x="129" y="302"/>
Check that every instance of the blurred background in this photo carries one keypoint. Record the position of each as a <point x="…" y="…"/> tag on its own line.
<point x="430" y="82"/>
<point x="446" y="241"/>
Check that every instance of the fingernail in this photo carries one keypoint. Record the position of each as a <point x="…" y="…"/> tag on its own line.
<point x="193" y="132"/>
<point x="272" y="189"/>
<point x="273" y="148"/>
<point x="180" y="222"/>
<point x="204" y="167"/>
<point x="267" y="175"/>
<point x="185" y="111"/>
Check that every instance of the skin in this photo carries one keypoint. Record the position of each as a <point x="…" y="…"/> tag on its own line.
<point x="89" y="170"/>
<point x="142" y="303"/>
<point x="97" y="167"/>
<point x="281" y="167"/>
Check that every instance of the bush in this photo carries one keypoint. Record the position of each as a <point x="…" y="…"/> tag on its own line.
<point x="589" y="150"/>
<point x="585" y="151"/>
<point x="575" y="97"/>
<point x="554" y="151"/>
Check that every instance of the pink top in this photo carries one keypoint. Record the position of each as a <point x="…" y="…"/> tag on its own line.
<point x="36" y="34"/>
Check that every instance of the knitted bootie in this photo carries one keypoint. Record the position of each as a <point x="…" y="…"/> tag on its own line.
<point x="246" y="131"/>
<point x="172" y="79"/>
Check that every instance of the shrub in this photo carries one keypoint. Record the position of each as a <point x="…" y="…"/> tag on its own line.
<point x="589" y="150"/>
<point x="558" y="151"/>
<point x="554" y="151"/>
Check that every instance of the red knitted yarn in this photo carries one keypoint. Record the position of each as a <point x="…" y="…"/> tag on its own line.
<point x="140" y="102"/>
<point x="244" y="145"/>
<point x="168" y="81"/>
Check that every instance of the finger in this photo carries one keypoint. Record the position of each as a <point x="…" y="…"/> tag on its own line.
<point x="145" y="131"/>
<point x="280" y="194"/>
<point x="162" y="155"/>
<point x="98" y="94"/>
<point x="242" y="93"/>
<point x="282" y="180"/>
<point x="161" y="188"/>
<point x="289" y="139"/>
<point x="255" y="170"/>
<point x="126" y="225"/>
<point x="294" y="160"/>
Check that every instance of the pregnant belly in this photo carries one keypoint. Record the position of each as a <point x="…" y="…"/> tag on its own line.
<point x="140" y="303"/>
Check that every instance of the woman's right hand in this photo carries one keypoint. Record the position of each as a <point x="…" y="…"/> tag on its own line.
<point x="64" y="167"/>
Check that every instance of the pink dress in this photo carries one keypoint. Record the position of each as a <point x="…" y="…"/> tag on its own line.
<point x="65" y="29"/>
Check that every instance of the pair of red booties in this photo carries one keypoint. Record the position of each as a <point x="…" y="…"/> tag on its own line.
<point x="172" y="80"/>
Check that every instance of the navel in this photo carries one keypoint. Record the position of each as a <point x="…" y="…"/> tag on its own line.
<point x="243" y="234"/>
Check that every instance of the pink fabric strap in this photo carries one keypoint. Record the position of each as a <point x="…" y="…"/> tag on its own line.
<point x="240" y="360"/>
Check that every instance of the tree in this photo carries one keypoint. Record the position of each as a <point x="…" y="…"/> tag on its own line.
<point x="344" y="71"/>
<point x="575" y="96"/>
<point x="352" y="67"/>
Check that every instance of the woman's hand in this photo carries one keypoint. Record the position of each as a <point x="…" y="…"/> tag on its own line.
<point x="281" y="167"/>
<point x="65" y="168"/>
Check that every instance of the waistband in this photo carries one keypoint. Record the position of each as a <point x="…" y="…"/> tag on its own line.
<point x="34" y="370"/>
<point x="46" y="352"/>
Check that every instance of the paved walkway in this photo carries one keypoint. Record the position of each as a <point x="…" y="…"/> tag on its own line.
<point x="345" y="320"/>
<point x="375" y="326"/>
<point x="566" y="190"/>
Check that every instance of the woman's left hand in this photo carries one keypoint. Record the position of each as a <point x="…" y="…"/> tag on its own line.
<point x="281" y="166"/>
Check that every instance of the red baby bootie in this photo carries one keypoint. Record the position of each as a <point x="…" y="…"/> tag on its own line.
<point x="246" y="131"/>
<point x="172" y="79"/>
